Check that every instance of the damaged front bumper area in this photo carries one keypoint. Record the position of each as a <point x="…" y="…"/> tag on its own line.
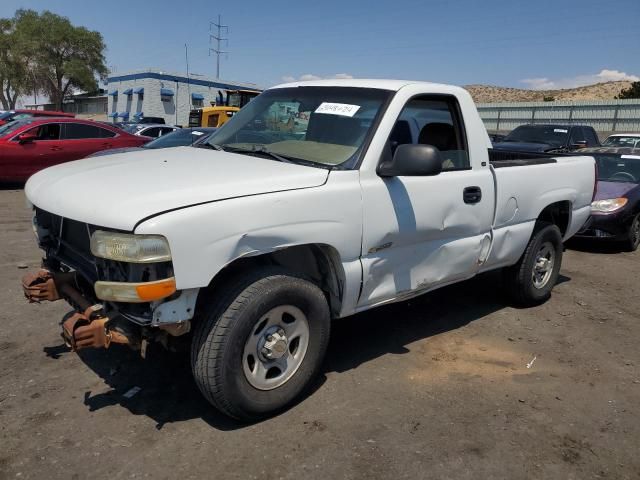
<point x="115" y="300"/>
<point x="88" y="326"/>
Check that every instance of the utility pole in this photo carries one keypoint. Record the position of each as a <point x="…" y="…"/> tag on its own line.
<point x="220" y="30"/>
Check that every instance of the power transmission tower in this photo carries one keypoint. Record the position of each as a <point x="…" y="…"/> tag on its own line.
<point x="220" y="30"/>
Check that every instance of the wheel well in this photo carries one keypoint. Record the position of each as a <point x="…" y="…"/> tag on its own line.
<point x="319" y="263"/>
<point x="557" y="213"/>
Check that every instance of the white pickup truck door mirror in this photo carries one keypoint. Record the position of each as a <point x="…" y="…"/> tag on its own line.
<point x="412" y="161"/>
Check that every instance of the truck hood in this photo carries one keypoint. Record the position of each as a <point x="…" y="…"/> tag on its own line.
<point x="117" y="191"/>
<point x="523" y="146"/>
<point x="113" y="151"/>
<point x="607" y="190"/>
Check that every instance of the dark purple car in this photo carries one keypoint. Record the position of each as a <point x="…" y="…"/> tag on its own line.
<point x="615" y="211"/>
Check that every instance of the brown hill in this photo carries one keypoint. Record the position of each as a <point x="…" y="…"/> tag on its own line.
<point x="599" y="91"/>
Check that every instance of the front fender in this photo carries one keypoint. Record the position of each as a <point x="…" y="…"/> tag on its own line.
<point x="205" y="238"/>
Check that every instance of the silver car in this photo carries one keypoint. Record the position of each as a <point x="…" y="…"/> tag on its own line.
<point x="153" y="130"/>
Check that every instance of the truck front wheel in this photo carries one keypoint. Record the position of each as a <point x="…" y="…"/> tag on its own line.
<point x="260" y="343"/>
<point x="531" y="280"/>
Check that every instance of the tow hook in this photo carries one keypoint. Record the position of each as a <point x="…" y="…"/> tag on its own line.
<point x="90" y="329"/>
<point x="39" y="286"/>
<point x="44" y="285"/>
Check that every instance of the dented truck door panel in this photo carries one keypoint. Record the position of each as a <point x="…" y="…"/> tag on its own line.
<point x="421" y="232"/>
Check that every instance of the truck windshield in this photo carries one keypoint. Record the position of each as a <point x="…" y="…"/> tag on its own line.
<point x="617" y="168"/>
<point x="320" y="126"/>
<point x="549" y="134"/>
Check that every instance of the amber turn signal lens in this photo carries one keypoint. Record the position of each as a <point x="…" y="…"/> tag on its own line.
<point x="156" y="290"/>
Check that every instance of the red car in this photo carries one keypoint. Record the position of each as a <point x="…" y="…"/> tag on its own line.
<point x="29" y="145"/>
<point x="9" y="116"/>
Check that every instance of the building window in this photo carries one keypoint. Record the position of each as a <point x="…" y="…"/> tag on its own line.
<point x="198" y="103"/>
<point x="166" y="94"/>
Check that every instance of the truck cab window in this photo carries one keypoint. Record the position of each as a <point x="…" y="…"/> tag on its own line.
<point x="576" y="135"/>
<point x="433" y="121"/>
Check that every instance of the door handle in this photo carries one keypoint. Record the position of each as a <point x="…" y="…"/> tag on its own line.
<point x="472" y="194"/>
<point x="56" y="148"/>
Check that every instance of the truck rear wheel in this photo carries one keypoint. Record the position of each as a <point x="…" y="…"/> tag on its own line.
<point x="260" y="344"/>
<point x="531" y="280"/>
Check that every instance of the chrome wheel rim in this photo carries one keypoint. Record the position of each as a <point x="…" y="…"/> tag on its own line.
<point x="275" y="347"/>
<point x="543" y="265"/>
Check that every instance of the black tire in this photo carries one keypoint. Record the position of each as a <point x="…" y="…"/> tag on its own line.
<point x="219" y="341"/>
<point x="519" y="279"/>
<point x="633" y="241"/>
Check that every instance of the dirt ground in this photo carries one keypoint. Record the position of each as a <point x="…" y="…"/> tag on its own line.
<point x="456" y="384"/>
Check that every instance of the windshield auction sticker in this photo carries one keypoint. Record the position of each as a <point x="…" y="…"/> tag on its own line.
<point x="343" y="109"/>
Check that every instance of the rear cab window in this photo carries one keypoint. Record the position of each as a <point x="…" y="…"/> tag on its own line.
<point x="592" y="138"/>
<point x="576" y="136"/>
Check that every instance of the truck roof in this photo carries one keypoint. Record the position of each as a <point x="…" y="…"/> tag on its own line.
<point x="393" y="85"/>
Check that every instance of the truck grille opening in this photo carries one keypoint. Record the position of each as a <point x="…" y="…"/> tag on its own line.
<point x="67" y="242"/>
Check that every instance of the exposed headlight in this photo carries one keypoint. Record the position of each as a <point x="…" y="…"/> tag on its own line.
<point x="126" y="247"/>
<point x="609" y="205"/>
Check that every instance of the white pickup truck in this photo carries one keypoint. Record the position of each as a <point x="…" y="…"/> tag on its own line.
<point x="316" y="201"/>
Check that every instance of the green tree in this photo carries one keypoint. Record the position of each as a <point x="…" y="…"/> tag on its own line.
<point x="632" y="92"/>
<point x="62" y="58"/>
<point x="13" y="66"/>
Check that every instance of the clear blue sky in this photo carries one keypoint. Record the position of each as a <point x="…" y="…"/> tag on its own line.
<point x="548" y="43"/>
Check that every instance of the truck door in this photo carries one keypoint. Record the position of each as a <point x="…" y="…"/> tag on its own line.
<point x="422" y="232"/>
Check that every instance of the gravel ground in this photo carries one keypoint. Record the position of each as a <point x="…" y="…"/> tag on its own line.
<point x="455" y="384"/>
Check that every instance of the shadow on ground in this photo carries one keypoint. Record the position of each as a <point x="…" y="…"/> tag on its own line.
<point x="11" y="185"/>
<point x="595" y="246"/>
<point x="168" y="393"/>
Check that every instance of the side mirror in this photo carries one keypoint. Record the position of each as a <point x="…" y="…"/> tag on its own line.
<point x="412" y="161"/>
<point x="580" y="144"/>
<point x="27" y="137"/>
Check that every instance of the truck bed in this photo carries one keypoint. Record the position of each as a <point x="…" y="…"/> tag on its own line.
<point x="506" y="158"/>
<point x="522" y="194"/>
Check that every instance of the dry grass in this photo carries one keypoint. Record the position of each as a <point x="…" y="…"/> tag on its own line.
<point x="599" y="91"/>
